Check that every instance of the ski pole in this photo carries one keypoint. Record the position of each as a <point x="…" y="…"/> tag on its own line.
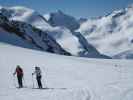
<point x="32" y="81"/>
<point x="24" y="81"/>
<point x="14" y="81"/>
<point x="45" y="81"/>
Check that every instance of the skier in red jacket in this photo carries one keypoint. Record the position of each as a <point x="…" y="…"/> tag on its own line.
<point x="19" y="72"/>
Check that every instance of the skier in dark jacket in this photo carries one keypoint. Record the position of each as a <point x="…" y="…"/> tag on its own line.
<point x="37" y="72"/>
<point x="19" y="72"/>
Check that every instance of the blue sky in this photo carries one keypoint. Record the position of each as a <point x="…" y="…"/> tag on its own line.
<point x="77" y="8"/>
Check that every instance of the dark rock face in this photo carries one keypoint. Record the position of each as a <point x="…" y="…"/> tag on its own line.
<point x="31" y="34"/>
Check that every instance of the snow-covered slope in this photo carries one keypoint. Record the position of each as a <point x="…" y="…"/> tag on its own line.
<point x="81" y="78"/>
<point x="124" y="55"/>
<point x="64" y="37"/>
<point x="111" y="34"/>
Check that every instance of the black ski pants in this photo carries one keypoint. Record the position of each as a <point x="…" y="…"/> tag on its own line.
<point x="20" y="83"/>
<point x="38" y="78"/>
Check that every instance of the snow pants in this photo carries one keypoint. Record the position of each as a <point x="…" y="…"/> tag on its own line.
<point x="20" y="83"/>
<point x="38" y="78"/>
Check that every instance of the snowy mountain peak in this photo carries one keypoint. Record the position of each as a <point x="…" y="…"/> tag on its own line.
<point x="111" y="34"/>
<point x="60" y="19"/>
<point x="27" y="15"/>
<point x="60" y="12"/>
<point x="16" y="11"/>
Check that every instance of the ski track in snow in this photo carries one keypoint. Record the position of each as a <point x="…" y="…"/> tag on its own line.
<point x="27" y="94"/>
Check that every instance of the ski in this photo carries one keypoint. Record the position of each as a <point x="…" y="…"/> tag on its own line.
<point x="50" y="88"/>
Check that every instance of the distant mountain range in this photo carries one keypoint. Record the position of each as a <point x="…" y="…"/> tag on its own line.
<point x="112" y="34"/>
<point x="109" y="36"/>
<point x="48" y="35"/>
